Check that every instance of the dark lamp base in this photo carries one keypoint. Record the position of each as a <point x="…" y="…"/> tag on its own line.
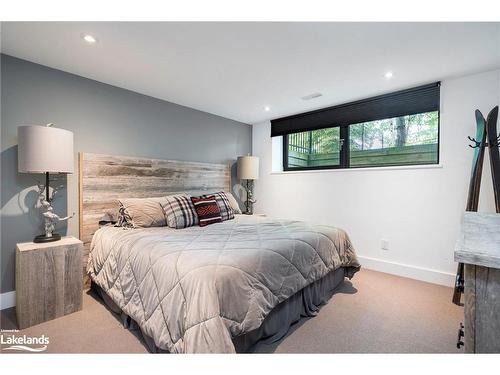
<point x="43" y="238"/>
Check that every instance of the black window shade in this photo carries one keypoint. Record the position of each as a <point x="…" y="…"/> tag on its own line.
<point x="406" y="102"/>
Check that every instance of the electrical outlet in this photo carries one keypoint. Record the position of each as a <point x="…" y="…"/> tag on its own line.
<point x="384" y="244"/>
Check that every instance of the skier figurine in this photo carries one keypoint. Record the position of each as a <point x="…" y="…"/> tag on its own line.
<point x="50" y="217"/>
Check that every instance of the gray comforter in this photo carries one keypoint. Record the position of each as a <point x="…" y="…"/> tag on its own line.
<point x="192" y="290"/>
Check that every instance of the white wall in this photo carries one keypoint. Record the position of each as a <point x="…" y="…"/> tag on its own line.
<point x="417" y="209"/>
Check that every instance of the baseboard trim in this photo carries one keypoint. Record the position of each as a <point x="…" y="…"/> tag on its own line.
<point x="7" y="300"/>
<point x="406" y="270"/>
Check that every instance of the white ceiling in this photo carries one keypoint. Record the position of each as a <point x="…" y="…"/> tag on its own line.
<point x="235" y="69"/>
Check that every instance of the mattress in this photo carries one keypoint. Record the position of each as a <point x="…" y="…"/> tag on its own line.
<point x="195" y="290"/>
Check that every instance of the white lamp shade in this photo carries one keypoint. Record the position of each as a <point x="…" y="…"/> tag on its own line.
<point x="248" y="167"/>
<point x="44" y="149"/>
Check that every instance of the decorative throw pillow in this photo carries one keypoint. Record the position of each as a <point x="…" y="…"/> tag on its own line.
<point x="207" y="209"/>
<point x="234" y="203"/>
<point x="225" y="207"/>
<point x="141" y="212"/>
<point x="179" y="211"/>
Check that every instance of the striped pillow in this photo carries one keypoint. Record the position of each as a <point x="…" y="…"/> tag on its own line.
<point x="226" y="210"/>
<point x="179" y="211"/>
<point x="207" y="210"/>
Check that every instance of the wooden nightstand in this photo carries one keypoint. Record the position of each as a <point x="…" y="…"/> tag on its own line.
<point x="49" y="280"/>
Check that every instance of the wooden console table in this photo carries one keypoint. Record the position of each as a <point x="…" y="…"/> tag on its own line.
<point x="479" y="249"/>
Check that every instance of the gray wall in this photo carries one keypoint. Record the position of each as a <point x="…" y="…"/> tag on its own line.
<point x="104" y="119"/>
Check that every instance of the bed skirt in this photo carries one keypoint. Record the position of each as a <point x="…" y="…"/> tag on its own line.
<point x="304" y="303"/>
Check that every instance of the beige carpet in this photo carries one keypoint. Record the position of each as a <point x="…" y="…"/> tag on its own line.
<point x="374" y="313"/>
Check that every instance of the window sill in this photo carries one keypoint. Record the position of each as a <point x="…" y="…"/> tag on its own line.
<point x="397" y="167"/>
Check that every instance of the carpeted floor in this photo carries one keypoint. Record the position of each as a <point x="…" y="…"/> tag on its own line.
<point x="373" y="313"/>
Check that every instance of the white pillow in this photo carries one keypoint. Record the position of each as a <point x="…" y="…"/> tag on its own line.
<point x="234" y="204"/>
<point x="142" y="212"/>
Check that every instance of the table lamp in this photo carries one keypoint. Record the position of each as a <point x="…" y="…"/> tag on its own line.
<point x="45" y="149"/>
<point x="248" y="169"/>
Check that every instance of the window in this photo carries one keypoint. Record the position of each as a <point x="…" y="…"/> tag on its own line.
<point x="317" y="148"/>
<point x="405" y="140"/>
<point x="410" y="138"/>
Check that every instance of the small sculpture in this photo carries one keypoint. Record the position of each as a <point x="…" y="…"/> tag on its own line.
<point x="250" y="199"/>
<point x="50" y="217"/>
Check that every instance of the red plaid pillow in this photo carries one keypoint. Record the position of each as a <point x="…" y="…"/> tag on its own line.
<point x="207" y="209"/>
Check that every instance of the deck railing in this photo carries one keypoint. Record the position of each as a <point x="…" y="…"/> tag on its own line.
<point x="417" y="154"/>
<point x="307" y="144"/>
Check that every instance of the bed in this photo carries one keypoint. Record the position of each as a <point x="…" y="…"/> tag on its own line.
<point x="220" y="288"/>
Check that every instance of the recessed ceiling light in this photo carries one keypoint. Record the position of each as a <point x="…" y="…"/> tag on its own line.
<point x="267" y="108"/>
<point x="388" y="75"/>
<point x="89" y="39"/>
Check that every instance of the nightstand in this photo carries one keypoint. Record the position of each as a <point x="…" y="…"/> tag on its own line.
<point x="49" y="280"/>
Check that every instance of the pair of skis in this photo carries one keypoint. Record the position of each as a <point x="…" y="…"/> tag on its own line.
<point x="486" y="136"/>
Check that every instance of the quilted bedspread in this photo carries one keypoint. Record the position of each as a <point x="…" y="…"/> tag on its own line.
<point x="192" y="290"/>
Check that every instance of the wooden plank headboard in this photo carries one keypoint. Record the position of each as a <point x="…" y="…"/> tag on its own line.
<point x="104" y="178"/>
